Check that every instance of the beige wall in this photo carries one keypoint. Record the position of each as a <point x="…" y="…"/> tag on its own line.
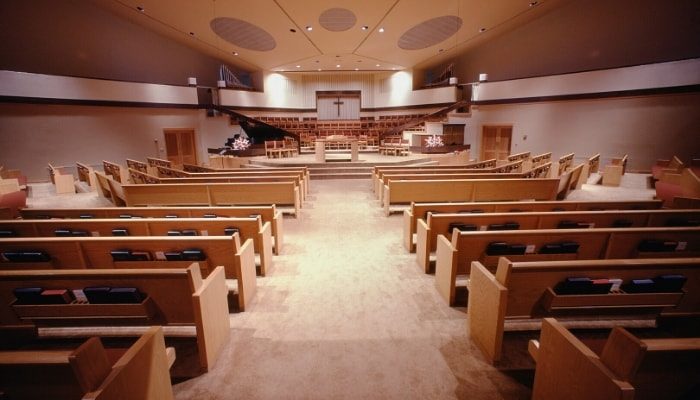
<point x="33" y="135"/>
<point x="645" y="128"/>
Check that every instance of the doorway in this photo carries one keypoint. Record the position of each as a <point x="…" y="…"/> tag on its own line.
<point x="180" y="146"/>
<point x="495" y="141"/>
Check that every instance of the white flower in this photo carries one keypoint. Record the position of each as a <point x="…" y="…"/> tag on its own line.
<point x="434" y="141"/>
<point x="241" y="143"/>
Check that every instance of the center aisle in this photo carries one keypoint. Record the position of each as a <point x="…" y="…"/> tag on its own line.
<point x="345" y="312"/>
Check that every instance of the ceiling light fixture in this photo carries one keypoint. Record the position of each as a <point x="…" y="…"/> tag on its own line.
<point x="381" y="30"/>
<point x="365" y="27"/>
<point x="235" y="53"/>
<point x="309" y="28"/>
<point x="482" y="30"/>
<point x="320" y="69"/>
<point x="298" y="66"/>
<point x="141" y="9"/>
<point x="337" y="65"/>
<point x="293" y="30"/>
<point x="534" y="3"/>
<point x="441" y="50"/>
<point x="191" y="33"/>
<point x="357" y="69"/>
<point x="377" y="65"/>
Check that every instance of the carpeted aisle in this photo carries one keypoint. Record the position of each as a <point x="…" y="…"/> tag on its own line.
<point x="346" y="313"/>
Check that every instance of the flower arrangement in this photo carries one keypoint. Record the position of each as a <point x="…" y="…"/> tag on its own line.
<point x="241" y="143"/>
<point x="434" y="141"/>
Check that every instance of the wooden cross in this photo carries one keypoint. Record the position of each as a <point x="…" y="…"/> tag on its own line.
<point x="338" y="103"/>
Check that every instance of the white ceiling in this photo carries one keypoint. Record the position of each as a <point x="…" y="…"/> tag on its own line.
<point x="189" y="22"/>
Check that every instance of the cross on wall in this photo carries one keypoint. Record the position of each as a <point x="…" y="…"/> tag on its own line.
<point x="338" y="103"/>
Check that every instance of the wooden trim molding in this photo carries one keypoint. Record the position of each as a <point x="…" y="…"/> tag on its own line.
<point x="100" y="103"/>
<point x="591" y="96"/>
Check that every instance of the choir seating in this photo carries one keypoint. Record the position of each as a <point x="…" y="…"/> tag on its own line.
<point x="454" y="257"/>
<point x="192" y="310"/>
<point x="519" y="294"/>
<point x="628" y="367"/>
<point x="268" y="214"/>
<point x="89" y="371"/>
<point x="420" y="210"/>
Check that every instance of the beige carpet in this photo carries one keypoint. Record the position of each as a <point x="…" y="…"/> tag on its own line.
<point x="346" y="313"/>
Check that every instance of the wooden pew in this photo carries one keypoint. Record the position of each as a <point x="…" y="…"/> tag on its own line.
<point x="439" y="224"/>
<point x="158" y="162"/>
<point x="110" y="189"/>
<point x="454" y="257"/>
<point x="685" y="185"/>
<point x="185" y="304"/>
<point x="421" y="210"/>
<point x="521" y="291"/>
<point x="237" y="259"/>
<point x="269" y="214"/>
<point x="541" y="159"/>
<point x="589" y="167"/>
<point x="627" y="368"/>
<point x="248" y="228"/>
<point x="525" y="157"/>
<point x="405" y="192"/>
<point x="569" y="181"/>
<point x="249" y="168"/>
<point x="86" y="372"/>
<point x="565" y="163"/>
<point x="612" y="174"/>
<point x="168" y="175"/>
<point x="672" y="166"/>
<point x="86" y="174"/>
<point x="301" y="175"/>
<point x="62" y="179"/>
<point x="213" y="194"/>
<point x="477" y="167"/>
<point x="116" y="171"/>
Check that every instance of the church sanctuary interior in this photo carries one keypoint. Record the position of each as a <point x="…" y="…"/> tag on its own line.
<point x="349" y="199"/>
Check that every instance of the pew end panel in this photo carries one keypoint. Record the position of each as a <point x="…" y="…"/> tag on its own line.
<point x="246" y="274"/>
<point x="446" y="269"/>
<point x="212" y="315"/>
<point x="486" y="311"/>
<point x="567" y="368"/>
<point x="408" y="220"/>
<point x="141" y="373"/>
<point x="423" y="245"/>
<point x="265" y="247"/>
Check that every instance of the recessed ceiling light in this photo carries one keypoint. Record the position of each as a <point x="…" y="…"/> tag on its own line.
<point x="441" y="50"/>
<point x="534" y="3"/>
<point x="316" y="61"/>
<point x="377" y="65"/>
<point x="393" y="68"/>
<point x="482" y="30"/>
<point x="293" y="30"/>
<point x="337" y="65"/>
<point x="235" y="53"/>
<point x="357" y="69"/>
<point x="381" y="30"/>
<point x="309" y="28"/>
<point x="191" y="33"/>
<point x="320" y="69"/>
<point x="365" y="27"/>
<point x="298" y="66"/>
<point x="141" y="9"/>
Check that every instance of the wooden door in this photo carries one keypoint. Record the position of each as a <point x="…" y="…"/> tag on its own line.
<point x="180" y="146"/>
<point x="495" y="141"/>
